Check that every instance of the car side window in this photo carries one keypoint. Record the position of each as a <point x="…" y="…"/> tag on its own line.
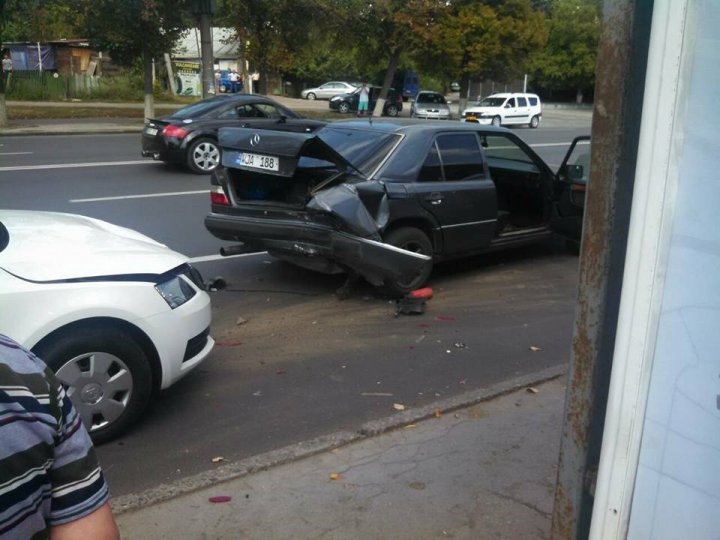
<point x="533" y="101"/>
<point x="522" y="102"/>
<point x="510" y="103"/>
<point x="232" y="112"/>
<point x="461" y="156"/>
<point x="268" y="111"/>
<point x="506" y="153"/>
<point x="431" y="171"/>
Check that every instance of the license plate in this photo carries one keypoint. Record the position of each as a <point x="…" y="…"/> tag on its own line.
<point x="151" y="131"/>
<point x="471" y="118"/>
<point x="256" y="161"/>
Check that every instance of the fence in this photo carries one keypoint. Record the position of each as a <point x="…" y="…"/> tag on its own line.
<point x="45" y="85"/>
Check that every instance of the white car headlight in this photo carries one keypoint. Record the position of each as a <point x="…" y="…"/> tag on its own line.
<point x="175" y="291"/>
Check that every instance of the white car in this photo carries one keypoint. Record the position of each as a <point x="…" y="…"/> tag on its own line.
<point x="430" y="105"/>
<point x="114" y="313"/>
<point x="506" y="109"/>
<point x="328" y="90"/>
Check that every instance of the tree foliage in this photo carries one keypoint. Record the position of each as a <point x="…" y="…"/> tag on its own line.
<point x="40" y="20"/>
<point x="569" y="58"/>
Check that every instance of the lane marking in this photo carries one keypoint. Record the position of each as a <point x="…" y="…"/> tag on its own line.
<point x="218" y="257"/>
<point x="144" y="196"/>
<point x="14" y="153"/>
<point x="76" y="165"/>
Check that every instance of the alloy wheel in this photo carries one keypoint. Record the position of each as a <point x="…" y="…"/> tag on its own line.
<point x="206" y="156"/>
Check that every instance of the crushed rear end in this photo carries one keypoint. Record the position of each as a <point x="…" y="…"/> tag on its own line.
<point x="309" y="198"/>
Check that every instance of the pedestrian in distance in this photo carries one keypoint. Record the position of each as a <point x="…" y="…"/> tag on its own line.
<point x="7" y="67"/>
<point x="363" y="99"/>
<point x="51" y="485"/>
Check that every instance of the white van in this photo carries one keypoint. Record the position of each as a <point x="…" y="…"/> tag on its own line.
<point x="506" y="109"/>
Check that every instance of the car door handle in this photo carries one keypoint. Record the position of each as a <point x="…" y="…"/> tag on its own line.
<point x="434" y="198"/>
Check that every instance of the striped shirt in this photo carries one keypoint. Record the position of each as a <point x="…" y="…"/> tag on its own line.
<point x="49" y="474"/>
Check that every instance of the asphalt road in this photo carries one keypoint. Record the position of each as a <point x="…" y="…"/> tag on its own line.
<point x="304" y="364"/>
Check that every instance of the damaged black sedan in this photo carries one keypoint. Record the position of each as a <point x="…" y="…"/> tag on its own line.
<point x="384" y="200"/>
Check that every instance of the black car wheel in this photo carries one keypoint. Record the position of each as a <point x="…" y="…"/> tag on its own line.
<point x="311" y="96"/>
<point x="203" y="155"/>
<point x="497" y="121"/>
<point x="414" y="240"/>
<point x="107" y="375"/>
<point x="392" y="110"/>
<point x="344" y="107"/>
<point x="534" y="122"/>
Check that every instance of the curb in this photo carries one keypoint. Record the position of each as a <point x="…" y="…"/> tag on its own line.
<point x="301" y="450"/>
<point x="45" y="133"/>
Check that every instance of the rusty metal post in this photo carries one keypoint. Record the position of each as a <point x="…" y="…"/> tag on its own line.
<point x="620" y="78"/>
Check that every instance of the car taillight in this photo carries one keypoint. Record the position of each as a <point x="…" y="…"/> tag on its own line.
<point x="217" y="196"/>
<point x="176" y="132"/>
<point x="398" y="98"/>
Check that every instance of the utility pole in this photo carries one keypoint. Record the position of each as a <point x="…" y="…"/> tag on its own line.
<point x="204" y="9"/>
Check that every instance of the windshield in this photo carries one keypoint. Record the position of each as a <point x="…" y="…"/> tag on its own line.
<point x="200" y="108"/>
<point x="431" y="98"/>
<point x="363" y="149"/>
<point x="492" y="102"/>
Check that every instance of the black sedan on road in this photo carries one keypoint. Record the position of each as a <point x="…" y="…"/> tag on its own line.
<point x="346" y="103"/>
<point x="385" y="200"/>
<point x="189" y="136"/>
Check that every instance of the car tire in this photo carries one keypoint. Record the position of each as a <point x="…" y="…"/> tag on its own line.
<point x="311" y="96"/>
<point x="114" y="372"/>
<point x="534" y="122"/>
<point x="497" y="121"/>
<point x="344" y="107"/>
<point x="392" y="110"/>
<point x="203" y="155"/>
<point x="223" y="88"/>
<point x="412" y="239"/>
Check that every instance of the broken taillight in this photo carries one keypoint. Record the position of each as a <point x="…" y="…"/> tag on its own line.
<point x="217" y="196"/>
<point x="176" y="132"/>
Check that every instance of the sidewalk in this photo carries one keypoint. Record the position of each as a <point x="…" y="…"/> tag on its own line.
<point x="484" y="471"/>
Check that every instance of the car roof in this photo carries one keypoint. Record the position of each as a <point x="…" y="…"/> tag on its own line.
<point x="416" y="127"/>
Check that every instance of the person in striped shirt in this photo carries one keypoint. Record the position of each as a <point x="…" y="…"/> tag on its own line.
<point x="50" y="482"/>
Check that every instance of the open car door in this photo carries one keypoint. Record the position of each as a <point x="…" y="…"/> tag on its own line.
<point x="570" y="185"/>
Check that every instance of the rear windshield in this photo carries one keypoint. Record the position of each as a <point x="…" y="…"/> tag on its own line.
<point x="363" y="149"/>
<point x="430" y="98"/>
<point x="200" y="108"/>
<point x="492" y="102"/>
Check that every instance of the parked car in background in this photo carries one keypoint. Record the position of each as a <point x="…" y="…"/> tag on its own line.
<point x="328" y="90"/>
<point x="116" y="315"/>
<point x="506" y="109"/>
<point x="407" y="82"/>
<point x="430" y="105"/>
<point x="189" y="135"/>
<point x="346" y="103"/>
<point x="387" y="200"/>
<point x="226" y="84"/>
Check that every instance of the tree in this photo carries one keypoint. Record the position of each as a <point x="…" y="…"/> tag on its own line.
<point x="485" y="39"/>
<point x="569" y="58"/>
<point x="134" y="29"/>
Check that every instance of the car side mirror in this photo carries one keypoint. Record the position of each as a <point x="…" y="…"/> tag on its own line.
<point x="507" y="105"/>
<point x="575" y="173"/>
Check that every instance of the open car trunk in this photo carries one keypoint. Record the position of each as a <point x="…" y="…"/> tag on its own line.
<point x="294" y="195"/>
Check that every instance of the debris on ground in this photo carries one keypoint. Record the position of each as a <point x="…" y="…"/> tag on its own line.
<point x="335" y="476"/>
<point x="445" y="318"/>
<point x="280" y="372"/>
<point x="418" y="340"/>
<point x="532" y="390"/>
<point x="533" y="348"/>
<point x="410" y="306"/>
<point x="398" y="406"/>
<point x="424" y="325"/>
<point x="241" y="320"/>
<point x="460" y="345"/>
<point x="217" y="459"/>
<point x="228" y="343"/>
<point x="220" y="499"/>
<point x="376" y="394"/>
<point x="438" y="414"/>
<point x="424" y="294"/>
<point x="258" y="393"/>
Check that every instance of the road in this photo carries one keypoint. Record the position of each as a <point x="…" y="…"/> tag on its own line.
<point x="304" y="364"/>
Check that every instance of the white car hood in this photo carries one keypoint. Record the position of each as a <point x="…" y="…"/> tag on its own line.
<point x="483" y="110"/>
<point x="49" y="246"/>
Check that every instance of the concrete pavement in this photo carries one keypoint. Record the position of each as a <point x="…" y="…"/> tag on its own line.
<point x="481" y="471"/>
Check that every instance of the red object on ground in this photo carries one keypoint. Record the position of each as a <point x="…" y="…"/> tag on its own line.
<point x="220" y="499"/>
<point x="424" y="325"/>
<point x="228" y="343"/>
<point x="425" y="294"/>
<point x="445" y="318"/>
